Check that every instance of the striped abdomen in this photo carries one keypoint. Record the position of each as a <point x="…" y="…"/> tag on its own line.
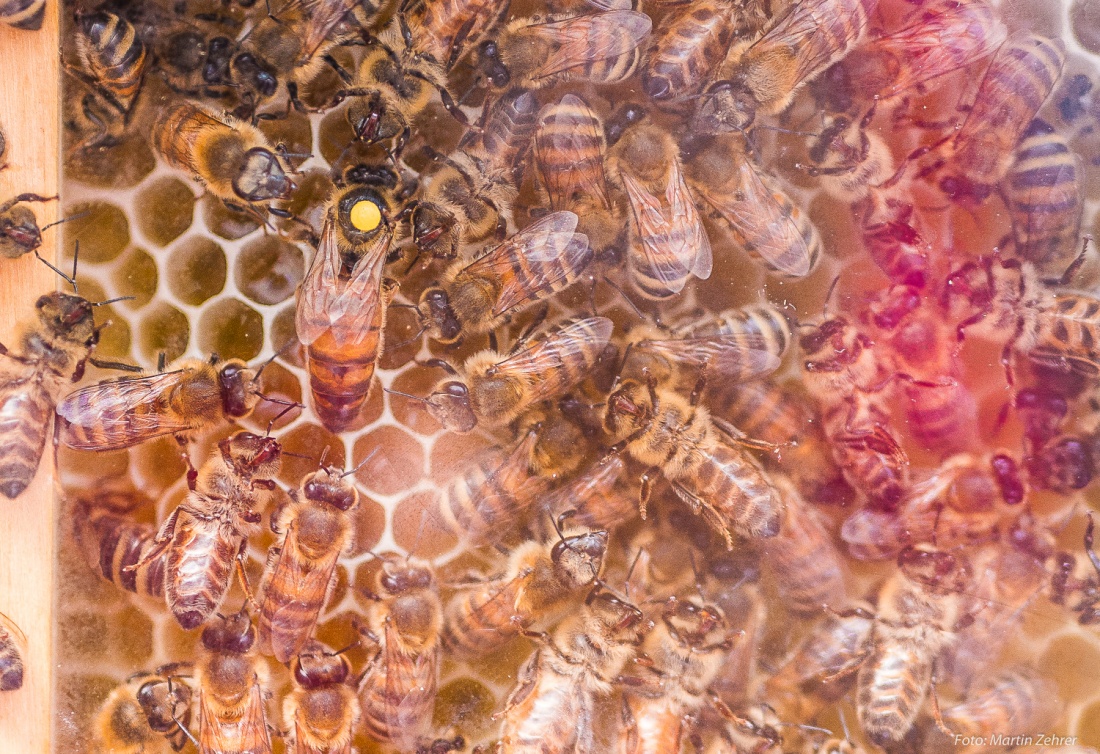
<point x="395" y="711"/>
<point x="759" y="326"/>
<point x="178" y="131"/>
<point x="112" y="543"/>
<point x="23" y="14"/>
<point x="113" y="55"/>
<point x="943" y="418"/>
<point x="25" y="408"/>
<point x="1016" y="704"/>
<point x="340" y="372"/>
<point x="899" y="251"/>
<point x="869" y="455"/>
<point x="570" y="150"/>
<point x="806" y="563"/>
<point x="1016" y="84"/>
<point x="439" y="24"/>
<point x="479" y="619"/>
<point x="891" y="688"/>
<point x="546" y="720"/>
<point x="508" y="132"/>
<point x="1044" y="196"/>
<point x="656" y="726"/>
<point x="489" y="498"/>
<point x="731" y="488"/>
<point x="198" y="564"/>
<point x="689" y="48"/>
<point x="1069" y="328"/>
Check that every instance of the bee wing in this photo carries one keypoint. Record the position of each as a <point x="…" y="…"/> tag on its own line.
<point x="410" y="678"/>
<point x="801" y="30"/>
<point x="324" y="16"/>
<point x="685" y="217"/>
<point x="669" y="244"/>
<point x="741" y="357"/>
<point x="581" y="40"/>
<point x="930" y="52"/>
<point x="540" y="363"/>
<point x="551" y="253"/>
<point x="325" y="301"/>
<point x="756" y="214"/>
<point x="114" y="410"/>
<point x="18" y="638"/>
<point x="248" y="735"/>
<point x="308" y="581"/>
<point x="563" y="185"/>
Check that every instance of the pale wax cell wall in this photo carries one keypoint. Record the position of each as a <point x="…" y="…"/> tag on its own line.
<point x="204" y="282"/>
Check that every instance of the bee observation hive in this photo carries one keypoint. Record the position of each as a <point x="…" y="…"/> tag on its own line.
<point x="862" y="253"/>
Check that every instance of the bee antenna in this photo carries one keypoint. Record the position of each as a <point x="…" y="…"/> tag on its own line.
<point x="786" y="130"/>
<point x="624" y="297"/>
<point x="361" y="464"/>
<point x="70" y="280"/>
<point x="77" y="216"/>
<point x="348" y="648"/>
<point x="406" y="395"/>
<point x="324" y="455"/>
<point x="297" y="455"/>
<point x="114" y="300"/>
<point x="415" y="337"/>
<point x="633" y="565"/>
<point x="282" y="349"/>
<point x="419" y="533"/>
<point x="844" y="725"/>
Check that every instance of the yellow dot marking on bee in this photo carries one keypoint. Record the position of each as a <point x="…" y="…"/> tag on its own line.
<point x="365" y="216"/>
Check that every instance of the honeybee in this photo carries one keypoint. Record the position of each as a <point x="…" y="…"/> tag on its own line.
<point x="193" y="396"/>
<point x="1015" y="703"/>
<point x="943" y="419"/>
<point x="821" y="669"/>
<point x="394" y="83"/>
<point x="783" y="415"/>
<point x="850" y="160"/>
<point x="317" y="528"/>
<point x="602" y="47"/>
<point x="944" y="38"/>
<point x="232" y="159"/>
<point x="397" y="692"/>
<point x="542" y="581"/>
<point x="807" y="568"/>
<point x="592" y="499"/>
<point x="968" y="499"/>
<point x="764" y="76"/>
<point x="918" y="610"/>
<point x="19" y="231"/>
<point x="203" y="537"/>
<point x="570" y="153"/>
<point x="552" y="709"/>
<point x="563" y="442"/>
<point x="26" y="16"/>
<point x="493" y="390"/>
<point x="53" y="352"/>
<point x="689" y="46"/>
<point x="1086" y="592"/>
<point x="1043" y="193"/>
<point x="231" y="680"/>
<point x="845" y="374"/>
<point x="112" y="541"/>
<point x="322" y="711"/>
<point x="468" y="200"/>
<point x="446" y="30"/>
<point x="535" y="263"/>
<point x="13" y="647"/>
<point x="1055" y="330"/>
<point x="143" y="713"/>
<point x="894" y="242"/>
<point x="485" y="502"/>
<point x="669" y="244"/>
<point x="688" y="647"/>
<point x="507" y="127"/>
<point x="112" y="55"/>
<point x="664" y="431"/>
<point x="763" y="219"/>
<point x="342" y="302"/>
<point x="1016" y="84"/>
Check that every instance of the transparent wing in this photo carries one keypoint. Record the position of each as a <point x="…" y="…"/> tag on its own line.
<point x="582" y="40"/>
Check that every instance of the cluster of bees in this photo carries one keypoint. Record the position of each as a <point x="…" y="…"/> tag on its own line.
<point x="653" y="454"/>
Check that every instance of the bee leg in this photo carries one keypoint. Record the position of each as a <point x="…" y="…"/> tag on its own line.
<point x="936" y="714"/>
<point x="1093" y="557"/>
<point x="646" y="491"/>
<point x="242" y="554"/>
<point x="540" y="317"/>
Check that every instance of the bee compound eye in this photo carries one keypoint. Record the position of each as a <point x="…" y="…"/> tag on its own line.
<point x="365" y="216"/>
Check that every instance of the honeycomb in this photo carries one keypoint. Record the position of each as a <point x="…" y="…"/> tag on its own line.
<point x="204" y="279"/>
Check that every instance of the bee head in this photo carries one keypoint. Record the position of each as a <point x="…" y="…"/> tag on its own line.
<point x="328" y="487"/>
<point x="437" y="314"/>
<point x="694" y="624"/>
<point x="628" y="408"/>
<point x="262" y="177"/>
<point x="433" y="229"/>
<point x="936" y="569"/>
<point x="19" y="232"/>
<point x="624" y="621"/>
<point x="216" y="68"/>
<point x="728" y="106"/>
<point x="315" y="668"/>
<point x="163" y="703"/>
<point x="831" y="141"/>
<point x="236" y="381"/>
<point x="375" y="117"/>
<point x="449" y="404"/>
<point x="66" y="315"/>
<point x="492" y="65"/>
<point x="832" y="346"/>
<point x="580" y="557"/>
<point x="258" y="74"/>
<point x="401" y="576"/>
<point x="251" y="453"/>
<point x="234" y="634"/>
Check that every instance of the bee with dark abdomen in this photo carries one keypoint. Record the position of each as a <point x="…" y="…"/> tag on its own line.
<point x="112" y="56"/>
